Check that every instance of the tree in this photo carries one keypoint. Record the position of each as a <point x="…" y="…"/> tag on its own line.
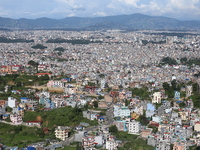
<point x="95" y="103"/>
<point x="113" y="129"/>
<point x="8" y="109"/>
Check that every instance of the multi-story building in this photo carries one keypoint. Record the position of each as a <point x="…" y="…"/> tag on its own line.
<point x="12" y="102"/>
<point x="111" y="144"/>
<point x="62" y="132"/>
<point x="88" y="142"/>
<point x="16" y="119"/>
<point x="156" y="97"/>
<point x="134" y="127"/>
<point x="121" y="111"/>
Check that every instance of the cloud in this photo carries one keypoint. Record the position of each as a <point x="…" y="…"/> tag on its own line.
<point x="181" y="9"/>
<point x="99" y="14"/>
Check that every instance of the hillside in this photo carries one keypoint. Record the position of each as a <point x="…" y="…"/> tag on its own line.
<point x="123" y="22"/>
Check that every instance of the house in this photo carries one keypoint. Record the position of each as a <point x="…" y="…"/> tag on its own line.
<point x="24" y="100"/>
<point x="133" y="127"/>
<point x="108" y="98"/>
<point x="121" y="111"/>
<point x="156" y="97"/>
<point x="12" y="102"/>
<point x="102" y="105"/>
<point x="177" y="95"/>
<point x="145" y="132"/>
<point x="16" y="119"/>
<point x="88" y="142"/>
<point x="121" y="125"/>
<point x="33" y="123"/>
<point x="62" y="132"/>
<point x="197" y="126"/>
<point x="179" y="146"/>
<point x="188" y="91"/>
<point x="43" y="74"/>
<point x="111" y="144"/>
<point x="150" y="110"/>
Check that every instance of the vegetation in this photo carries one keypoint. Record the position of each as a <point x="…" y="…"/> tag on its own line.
<point x="60" y="49"/>
<point x="19" y="135"/>
<point x="74" y="41"/>
<point x="65" y="116"/>
<point x="6" y="40"/>
<point x="133" y="142"/>
<point x="38" y="46"/>
<point x="169" y="61"/>
<point x="141" y="92"/>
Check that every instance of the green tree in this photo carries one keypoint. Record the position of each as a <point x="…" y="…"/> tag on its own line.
<point x="8" y="109"/>
<point x="95" y="103"/>
<point x="113" y="129"/>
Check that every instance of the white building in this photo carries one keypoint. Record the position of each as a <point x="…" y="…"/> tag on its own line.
<point x="188" y="91"/>
<point x="156" y="97"/>
<point x="134" y="127"/>
<point x="121" y="111"/>
<point x="111" y="144"/>
<point x="12" y="102"/>
<point x="62" y="132"/>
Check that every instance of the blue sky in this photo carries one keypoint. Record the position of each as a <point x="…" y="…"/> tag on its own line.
<point x="179" y="9"/>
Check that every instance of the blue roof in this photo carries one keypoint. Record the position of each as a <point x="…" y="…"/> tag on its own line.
<point x="23" y="98"/>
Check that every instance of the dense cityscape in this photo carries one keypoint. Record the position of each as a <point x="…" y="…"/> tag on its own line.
<point x="107" y="89"/>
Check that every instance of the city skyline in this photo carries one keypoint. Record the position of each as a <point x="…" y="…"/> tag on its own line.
<point x="57" y="9"/>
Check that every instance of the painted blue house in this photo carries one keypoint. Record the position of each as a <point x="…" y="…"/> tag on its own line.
<point x="177" y="95"/>
<point x="24" y="99"/>
<point x="150" y="110"/>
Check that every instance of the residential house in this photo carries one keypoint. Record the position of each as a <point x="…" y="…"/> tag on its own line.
<point x="156" y="97"/>
<point x="16" y="119"/>
<point x="33" y="123"/>
<point x="108" y="98"/>
<point x="121" y="125"/>
<point x="197" y="126"/>
<point x="150" y="110"/>
<point x="188" y="90"/>
<point x="88" y="142"/>
<point x="62" y="132"/>
<point x="134" y="127"/>
<point x="111" y="144"/>
<point x="177" y="95"/>
<point x="121" y="111"/>
<point x="179" y="146"/>
<point x="12" y="102"/>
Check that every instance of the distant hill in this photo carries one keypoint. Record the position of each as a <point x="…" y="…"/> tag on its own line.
<point x="124" y="22"/>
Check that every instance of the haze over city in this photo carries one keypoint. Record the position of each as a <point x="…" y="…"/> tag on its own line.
<point x="178" y="9"/>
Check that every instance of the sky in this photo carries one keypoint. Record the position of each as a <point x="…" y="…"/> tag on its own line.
<point x="58" y="9"/>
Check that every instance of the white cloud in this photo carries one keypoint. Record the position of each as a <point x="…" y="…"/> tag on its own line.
<point x="99" y="14"/>
<point x="129" y="2"/>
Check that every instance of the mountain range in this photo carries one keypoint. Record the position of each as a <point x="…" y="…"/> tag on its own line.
<point x="122" y="22"/>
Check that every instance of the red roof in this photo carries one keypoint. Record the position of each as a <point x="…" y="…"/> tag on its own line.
<point x="33" y="121"/>
<point x="16" y="65"/>
<point x="40" y="74"/>
<point x="3" y="66"/>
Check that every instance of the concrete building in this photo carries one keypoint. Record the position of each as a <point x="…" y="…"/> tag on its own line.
<point x="156" y="97"/>
<point x="134" y="127"/>
<point x="62" y="132"/>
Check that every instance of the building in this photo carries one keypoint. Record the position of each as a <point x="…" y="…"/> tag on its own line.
<point x="12" y="102"/>
<point x="134" y="127"/>
<point x="16" y="119"/>
<point x="121" y="111"/>
<point x="62" y="132"/>
<point x="188" y="91"/>
<point x="156" y="97"/>
<point x="197" y="126"/>
<point x="177" y="95"/>
<point x="111" y="144"/>
<point x="121" y="125"/>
